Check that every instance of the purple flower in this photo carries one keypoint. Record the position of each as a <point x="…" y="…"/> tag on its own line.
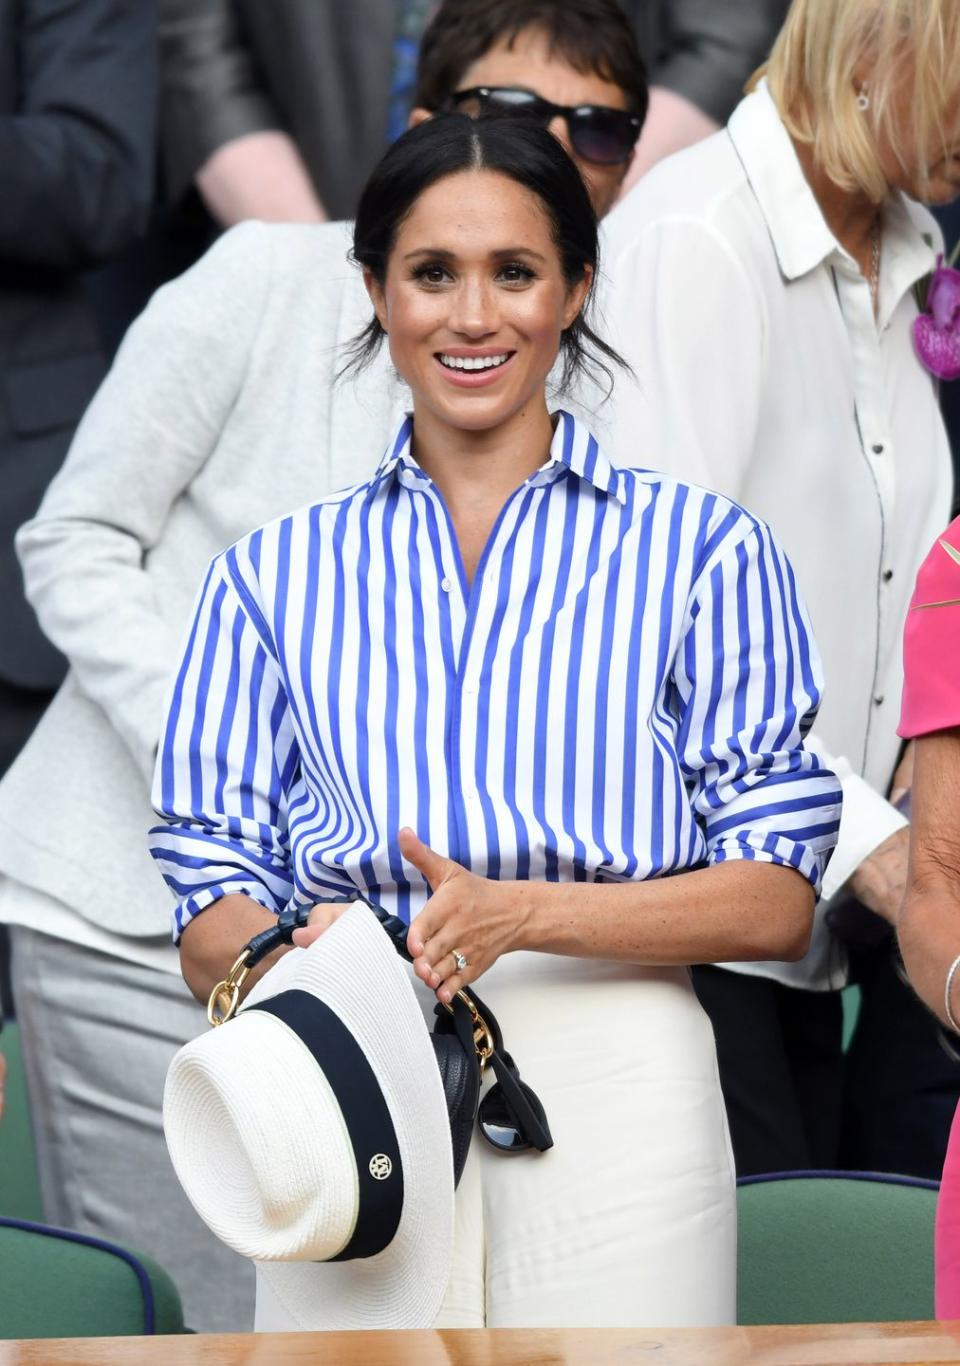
<point x="936" y="333"/>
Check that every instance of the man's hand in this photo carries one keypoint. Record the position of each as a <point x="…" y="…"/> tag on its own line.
<point x="881" y="880"/>
<point x="479" y="918"/>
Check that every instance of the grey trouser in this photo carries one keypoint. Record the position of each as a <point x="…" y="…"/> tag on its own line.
<point x="98" y="1034"/>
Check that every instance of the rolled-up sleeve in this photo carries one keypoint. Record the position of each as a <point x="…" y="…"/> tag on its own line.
<point x="749" y="683"/>
<point x="228" y="757"/>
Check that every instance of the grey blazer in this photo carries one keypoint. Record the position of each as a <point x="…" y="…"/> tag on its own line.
<point x="321" y="69"/>
<point x="220" y="413"/>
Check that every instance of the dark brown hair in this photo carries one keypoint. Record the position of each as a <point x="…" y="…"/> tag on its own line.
<point x="453" y="143"/>
<point x="590" y="35"/>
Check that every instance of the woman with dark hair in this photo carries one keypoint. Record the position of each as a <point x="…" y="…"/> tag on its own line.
<point x="507" y="690"/>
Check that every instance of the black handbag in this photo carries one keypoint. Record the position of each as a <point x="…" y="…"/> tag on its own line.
<point x="466" y="1040"/>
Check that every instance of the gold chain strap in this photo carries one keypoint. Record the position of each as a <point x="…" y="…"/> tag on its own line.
<point x="225" y="997"/>
<point x="482" y="1037"/>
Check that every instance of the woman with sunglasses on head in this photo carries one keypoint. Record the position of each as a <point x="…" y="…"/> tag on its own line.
<point x="506" y="691"/>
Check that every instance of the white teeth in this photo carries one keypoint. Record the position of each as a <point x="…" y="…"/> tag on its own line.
<point x="473" y="362"/>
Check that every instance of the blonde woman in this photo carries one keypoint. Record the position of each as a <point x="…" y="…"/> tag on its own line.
<point x="764" y="293"/>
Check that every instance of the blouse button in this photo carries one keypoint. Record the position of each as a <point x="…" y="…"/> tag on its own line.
<point x="887" y="575"/>
<point x="877" y="450"/>
<point x="445" y="585"/>
<point x="878" y="699"/>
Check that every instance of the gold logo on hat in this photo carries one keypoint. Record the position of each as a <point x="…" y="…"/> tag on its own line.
<point x="380" y="1166"/>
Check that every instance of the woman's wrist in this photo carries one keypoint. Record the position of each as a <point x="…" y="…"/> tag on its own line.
<point x="523" y="903"/>
<point x="539" y="911"/>
<point x="212" y="941"/>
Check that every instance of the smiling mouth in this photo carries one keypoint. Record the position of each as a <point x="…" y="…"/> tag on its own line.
<point x="473" y="362"/>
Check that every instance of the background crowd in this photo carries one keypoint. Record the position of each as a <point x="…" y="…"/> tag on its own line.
<point x="131" y="138"/>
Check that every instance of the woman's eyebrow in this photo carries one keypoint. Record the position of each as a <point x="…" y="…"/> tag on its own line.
<point x="502" y="254"/>
<point x="511" y="254"/>
<point x="437" y="253"/>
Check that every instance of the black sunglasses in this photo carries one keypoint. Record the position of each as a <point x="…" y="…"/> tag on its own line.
<point x="598" y="133"/>
<point x="511" y="1117"/>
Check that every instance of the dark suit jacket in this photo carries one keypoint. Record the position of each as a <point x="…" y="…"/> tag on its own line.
<point x="78" y="108"/>
<point x="321" y="70"/>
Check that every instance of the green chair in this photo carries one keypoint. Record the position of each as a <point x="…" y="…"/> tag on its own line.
<point x="19" y="1187"/>
<point x="55" y="1284"/>
<point x="834" y="1247"/>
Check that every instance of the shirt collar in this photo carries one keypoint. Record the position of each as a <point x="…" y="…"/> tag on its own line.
<point x="573" y="448"/>
<point x="797" y="227"/>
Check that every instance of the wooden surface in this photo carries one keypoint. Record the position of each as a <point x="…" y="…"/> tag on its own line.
<point x="825" y="1345"/>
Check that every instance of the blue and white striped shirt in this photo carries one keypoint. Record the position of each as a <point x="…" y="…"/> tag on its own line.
<point x="621" y="693"/>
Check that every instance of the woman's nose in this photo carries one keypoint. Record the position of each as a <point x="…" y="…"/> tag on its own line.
<point x="475" y="311"/>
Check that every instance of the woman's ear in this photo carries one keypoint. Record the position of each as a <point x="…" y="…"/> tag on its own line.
<point x="418" y="116"/>
<point x="577" y="296"/>
<point x="377" y="297"/>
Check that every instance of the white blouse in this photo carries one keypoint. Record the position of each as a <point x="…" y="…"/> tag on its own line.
<point x="761" y="372"/>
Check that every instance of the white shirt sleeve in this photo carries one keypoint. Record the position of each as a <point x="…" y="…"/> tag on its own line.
<point x="145" y="437"/>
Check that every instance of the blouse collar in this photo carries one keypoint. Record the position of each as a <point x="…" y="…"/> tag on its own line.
<point x="797" y="227"/>
<point x="573" y="448"/>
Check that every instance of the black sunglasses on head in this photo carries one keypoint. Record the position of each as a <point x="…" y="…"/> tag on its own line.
<point x="598" y="133"/>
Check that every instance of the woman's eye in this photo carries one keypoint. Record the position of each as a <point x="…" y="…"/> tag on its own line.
<point x="430" y="274"/>
<point x="516" y="274"/>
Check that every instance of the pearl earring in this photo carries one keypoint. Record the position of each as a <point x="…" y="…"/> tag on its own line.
<point x="863" y="100"/>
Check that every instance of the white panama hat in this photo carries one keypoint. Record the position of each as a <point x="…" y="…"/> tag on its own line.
<point x="313" y="1127"/>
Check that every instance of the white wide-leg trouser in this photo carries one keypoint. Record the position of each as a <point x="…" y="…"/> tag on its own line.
<point x="630" y="1219"/>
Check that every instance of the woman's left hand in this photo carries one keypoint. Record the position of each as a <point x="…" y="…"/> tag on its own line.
<point x="479" y="918"/>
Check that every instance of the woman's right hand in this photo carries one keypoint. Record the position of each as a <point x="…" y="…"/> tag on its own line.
<point x="319" y="919"/>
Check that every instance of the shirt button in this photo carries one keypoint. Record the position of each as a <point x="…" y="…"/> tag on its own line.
<point x="877" y="450"/>
<point x="887" y="575"/>
<point x="445" y="585"/>
<point x="470" y="689"/>
<point x="878" y="699"/>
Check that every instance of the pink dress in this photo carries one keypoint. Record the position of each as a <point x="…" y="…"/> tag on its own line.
<point x="931" y="701"/>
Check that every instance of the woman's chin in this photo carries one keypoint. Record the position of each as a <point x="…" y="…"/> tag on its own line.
<point x="943" y="186"/>
<point x="475" y="410"/>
